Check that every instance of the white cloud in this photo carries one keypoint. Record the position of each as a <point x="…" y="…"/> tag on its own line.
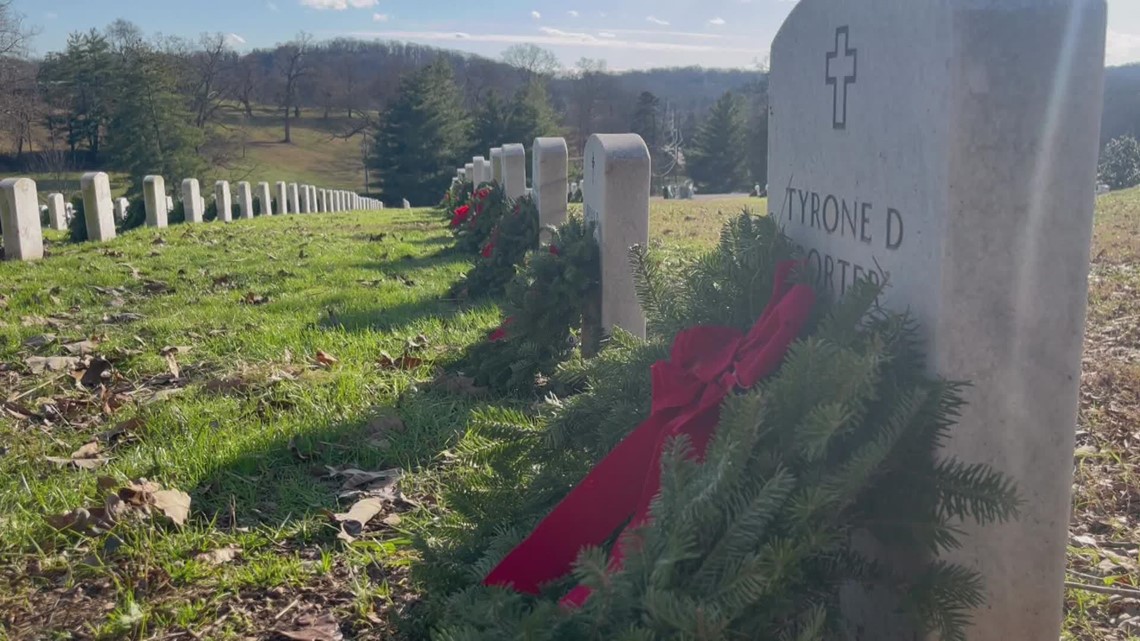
<point x="536" y="15"/>
<point x="717" y="22"/>
<point x="379" y="17"/>
<point x="606" y="34"/>
<point x="339" y="5"/>
<point x="675" y="34"/>
<point x="569" y="35"/>
<point x="657" y="21"/>
<point x="1121" y="48"/>
<point x="234" y="40"/>
<point x="557" y="37"/>
<point x="51" y="15"/>
<point x="572" y="13"/>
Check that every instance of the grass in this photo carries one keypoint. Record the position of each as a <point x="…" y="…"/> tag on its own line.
<point x="255" y="420"/>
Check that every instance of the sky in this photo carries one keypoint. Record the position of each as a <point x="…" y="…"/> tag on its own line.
<point x="632" y="34"/>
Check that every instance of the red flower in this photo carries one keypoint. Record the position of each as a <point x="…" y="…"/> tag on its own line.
<point x="483" y="193"/>
<point x="489" y="250"/>
<point x="554" y="250"/>
<point x="500" y="334"/>
<point x="461" y="215"/>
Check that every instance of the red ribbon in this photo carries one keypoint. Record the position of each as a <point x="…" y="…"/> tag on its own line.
<point x="705" y="366"/>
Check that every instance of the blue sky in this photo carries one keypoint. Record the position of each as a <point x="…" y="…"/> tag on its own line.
<point x="629" y="35"/>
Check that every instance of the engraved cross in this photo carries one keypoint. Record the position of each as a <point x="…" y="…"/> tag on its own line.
<point x="842" y="70"/>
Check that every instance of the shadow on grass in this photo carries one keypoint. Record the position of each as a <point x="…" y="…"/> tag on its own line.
<point x="388" y="319"/>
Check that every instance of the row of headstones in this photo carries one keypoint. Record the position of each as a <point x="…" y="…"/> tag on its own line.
<point x="615" y="191"/>
<point x="20" y="211"/>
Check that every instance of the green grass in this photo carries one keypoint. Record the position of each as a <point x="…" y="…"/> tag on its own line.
<point x="254" y="420"/>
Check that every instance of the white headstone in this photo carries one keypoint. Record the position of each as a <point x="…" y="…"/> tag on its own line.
<point x="192" y="201"/>
<point x="57" y="212"/>
<point x="497" y="164"/>
<point x="264" y="199"/>
<point x="461" y="173"/>
<point x="469" y="171"/>
<point x="122" y="205"/>
<point x="322" y="204"/>
<point x="169" y="204"/>
<point x="548" y="173"/>
<point x="304" y="206"/>
<point x="20" y="217"/>
<point x="951" y="148"/>
<point x="512" y="167"/>
<point x="312" y="199"/>
<point x="98" y="211"/>
<point x="223" y="201"/>
<point x="154" y="198"/>
<point x="407" y="205"/>
<point x="294" y="199"/>
<point x="482" y="170"/>
<point x="245" y="200"/>
<point x="282" y="199"/>
<point x="617" y="169"/>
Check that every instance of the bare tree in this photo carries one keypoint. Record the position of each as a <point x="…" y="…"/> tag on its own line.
<point x="245" y="82"/>
<point x="208" y="64"/>
<point x="532" y="60"/>
<point x="13" y="34"/>
<point x="292" y="63"/>
<point x="20" y="103"/>
<point x="590" y="83"/>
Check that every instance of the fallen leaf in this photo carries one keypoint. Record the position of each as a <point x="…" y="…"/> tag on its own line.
<point x="458" y="384"/>
<point x="251" y="298"/>
<point x="39" y="342"/>
<point x="125" y="317"/>
<point x="81" y="348"/>
<point x="93" y="374"/>
<point x="353" y="521"/>
<point x="175" y="504"/>
<point x="156" y="287"/>
<point x="314" y="628"/>
<point x="219" y="556"/>
<point x="172" y="365"/>
<point x="88" y="450"/>
<point x="354" y="478"/>
<point x="326" y="360"/>
<point x="40" y="364"/>
<point x="296" y="451"/>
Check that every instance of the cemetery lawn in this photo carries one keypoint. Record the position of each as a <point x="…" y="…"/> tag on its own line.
<point x="286" y="335"/>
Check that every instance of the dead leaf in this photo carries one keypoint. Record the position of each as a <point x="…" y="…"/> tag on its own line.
<point x="314" y="628"/>
<point x="326" y="360"/>
<point x="251" y="298"/>
<point x="404" y="362"/>
<point x="296" y="451"/>
<point x="96" y="370"/>
<point x="458" y="384"/>
<point x="39" y="342"/>
<point x="85" y="458"/>
<point x="354" y="478"/>
<point x="40" y="364"/>
<point x="174" y="504"/>
<point x="353" y="521"/>
<point x="219" y="556"/>
<point x="172" y="365"/>
<point x="81" y="348"/>
<point x="123" y="318"/>
<point x="156" y="287"/>
<point x="231" y="385"/>
<point x="418" y="342"/>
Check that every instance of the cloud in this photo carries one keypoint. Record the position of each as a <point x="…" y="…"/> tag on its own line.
<point x="51" y="15"/>
<point x="556" y="37"/>
<point x="339" y="5"/>
<point x="379" y="17"/>
<point x="657" y="21"/>
<point x="1121" y="48"/>
<point x="717" y="22"/>
<point x="234" y="40"/>
<point x="673" y="34"/>
<point x="572" y="13"/>
<point x="536" y="15"/>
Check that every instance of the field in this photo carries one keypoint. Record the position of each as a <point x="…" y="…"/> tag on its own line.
<point x="268" y="368"/>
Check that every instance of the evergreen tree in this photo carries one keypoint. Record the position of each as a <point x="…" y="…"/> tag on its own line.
<point x="1120" y="163"/>
<point x="79" y="86"/>
<point x="531" y="116"/>
<point x="646" y="122"/>
<point x="423" y="134"/>
<point x="718" y="159"/>
<point x="492" y="123"/>
<point x="151" y="130"/>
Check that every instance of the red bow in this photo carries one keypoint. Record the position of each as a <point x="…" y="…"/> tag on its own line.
<point x="705" y="366"/>
<point x="461" y="214"/>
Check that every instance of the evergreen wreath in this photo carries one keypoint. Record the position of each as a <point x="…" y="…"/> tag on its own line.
<point x="473" y="226"/>
<point x="544" y="305"/>
<point x="755" y="541"/>
<point x="456" y="196"/>
<point x="514" y="236"/>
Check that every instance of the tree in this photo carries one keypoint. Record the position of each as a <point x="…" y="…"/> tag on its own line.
<point x="1120" y="163"/>
<point x="718" y="160"/>
<point x="208" y="64"/>
<point x="531" y="116"/>
<point x="590" y="83"/>
<point x="78" y="85"/>
<point x="491" y="125"/>
<point x="152" y="131"/>
<point x="532" y="60"/>
<point x="424" y="133"/>
<point x="292" y="64"/>
<point x="646" y="122"/>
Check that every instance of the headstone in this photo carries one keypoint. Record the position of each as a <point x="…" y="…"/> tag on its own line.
<point x="169" y="204"/>
<point x="97" y="208"/>
<point x="497" y="164"/>
<point x="294" y="199"/>
<point x="20" y="217"/>
<point x="461" y="173"/>
<point x="192" y="201"/>
<point x="265" y="199"/>
<point x="469" y="172"/>
<point x="312" y="199"/>
<point x="482" y="174"/>
<point x="407" y="205"/>
<point x="282" y="199"/>
<point x="617" y="176"/>
<point x="245" y="200"/>
<point x="968" y="187"/>
<point x="223" y="200"/>
<point x="57" y="212"/>
<point x="122" y="205"/>
<point x="154" y="198"/>
<point x="304" y="206"/>
<point x="512" y="168"/>
<point x="322" y="205"/>
<point x="549" y="164"/>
